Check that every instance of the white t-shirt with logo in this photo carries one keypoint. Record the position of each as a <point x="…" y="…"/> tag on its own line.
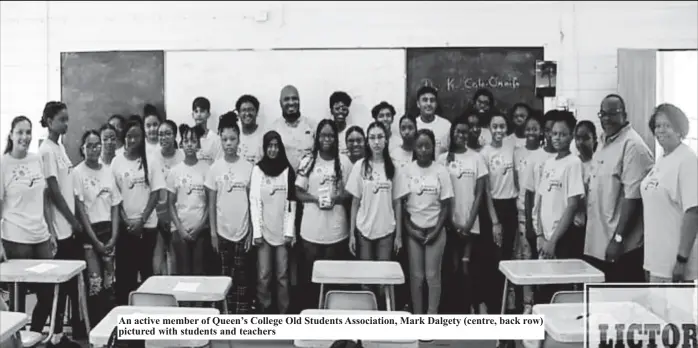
<point x="97" y="190"/>
<point x="188" y="183"/>
<point x="231" y="182"/>
<point x="250" y="147"/>
<point x="502" y="167"/>
<point x="57" y="164"/>
<point x="130" y="180"/>
<point x="427" y="187"/>
<point x="465" y="169"/>
<point x="401" y="158"/>
<point x="562" y="179"/>
<point x="211" y="149"/>
<point x="22" y="193"/>
<point x="441" y="128"/>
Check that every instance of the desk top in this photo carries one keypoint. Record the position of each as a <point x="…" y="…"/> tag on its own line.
<point x="372" y="343"/>
<point x="189" y="288"/>
<point x="39" y="271"/>
<point x="99" y="335"/>
<point x="11" y="322"/>
<point x="358" y="272"/>
<point x="540" y="272"/>
<point x="565" y="322"/>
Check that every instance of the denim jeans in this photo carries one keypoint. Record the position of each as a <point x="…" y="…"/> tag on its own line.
<point x="272" y="260"/>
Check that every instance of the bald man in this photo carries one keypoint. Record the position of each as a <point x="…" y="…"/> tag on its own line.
<point x="297" y="132"/>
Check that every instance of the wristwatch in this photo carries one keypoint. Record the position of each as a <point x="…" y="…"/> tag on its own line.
<point x="618" y="238"/>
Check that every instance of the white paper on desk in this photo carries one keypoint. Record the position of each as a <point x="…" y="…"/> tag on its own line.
<point x="42" y="267"/>
<point x="186" y="287"/>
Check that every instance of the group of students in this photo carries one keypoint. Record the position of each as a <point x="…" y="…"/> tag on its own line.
<point x="262" y="205"/>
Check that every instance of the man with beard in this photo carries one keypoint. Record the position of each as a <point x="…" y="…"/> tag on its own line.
<point x="340" y="102"/>
<point x="297" y="132"/>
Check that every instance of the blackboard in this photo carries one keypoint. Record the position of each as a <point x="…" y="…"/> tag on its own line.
<point x="456" y="73"/>
<point x="96" y="85"/>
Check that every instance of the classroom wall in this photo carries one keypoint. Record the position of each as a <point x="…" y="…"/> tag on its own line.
<point x="582" y="37"/>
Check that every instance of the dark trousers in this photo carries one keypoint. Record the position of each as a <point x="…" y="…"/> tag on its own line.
<point x="134" y="256"/>
<point x="312" y="253"/>
<point x="234" y="260"/>
<point x="570" y="246"/>
<point x="487" y="281"/>
<point x="69" y="249"/>
<point x="627" y="269"/>
<point x="44" y="292"/>
<point x="457" y="289"/>
<point x="507" y="214"/>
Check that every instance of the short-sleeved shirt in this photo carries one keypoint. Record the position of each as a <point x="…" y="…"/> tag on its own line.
<point x="187" y="182"/>
<point x="298" y="138"/>
<point x="376" y="193"/>
<point x="562" y="179"/>
<point x="135" y="192"/>
<point x="401" y="157"/>
<point x="502" y="167"/>
<point x="427" y="187"/>
<point x="620" y="163"/>
<point x="57" y="165"/>
<point x="323" y="226"/>
<point x="96" y="189"/>
<point x="250" y="147"/>
<point x="395" y="141"/>
<point x="465" y="169"/>
<point x="231" y="182"/>
<point x="441" y="128"/>
<point x="22" y="192"/>
<point x="166" y="164"/>
<point x="211" y="149"/>
<point x="518" y="142"/>
<point x="668" y="191"/>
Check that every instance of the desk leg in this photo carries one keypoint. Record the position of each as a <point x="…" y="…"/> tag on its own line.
<point x="225" y="306"/>
<point x="390" y="297"/>
<point x="322" y="296"/>
<point x="504" y="301"/>
<point x="15" y="299"/>
<point x="82" y="298"/>
<point x="54" y="308"/>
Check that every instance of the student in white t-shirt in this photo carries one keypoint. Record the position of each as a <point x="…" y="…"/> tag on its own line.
<point x="468" y="172"/>
<point x="375" y="208"/>
<point x="499" y="156"/>
<point x="273" y="213"/>
<point x="340" y="104"/>
<point x="25" y="227"/>
<point x="518" y="114"/>
<point x="385" y="114"/>
<point x="320" y="184"/>
<point x="427" y="187"/>
<point x="139" y="182"/>
<point x="355" y="140"/>
<point x="228" y="186"/>
<point x="97" y="200"/>
<point x="57" y="169"/>
<point x="586" y="141"/>
<point x="210" y="148"/>
<point x="251" y="132"/>
<point x="404" y="154"/>
<point x="427" y="102"/>
<point x="108" y="137"/>
<point x="188" y="204"/>
<point x="151" y="121"/>
<point x="670" y="199"/>
<point x="167" y="156"/>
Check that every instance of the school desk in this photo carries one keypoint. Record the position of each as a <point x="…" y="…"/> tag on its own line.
<point x="565" y="322"/>
<point x="11" y="323"/>
<point x="387" y="273"/>
<point x="546" y="272"/>
<point x="47" y="272"/>
<point x="99" y="336"/>
<point x="366" y="344"/>
<point x="190" y="288"/>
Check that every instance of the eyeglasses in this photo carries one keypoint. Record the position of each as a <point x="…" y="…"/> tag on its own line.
<point x="610" y="113"/>
<point x="93" y="146"/>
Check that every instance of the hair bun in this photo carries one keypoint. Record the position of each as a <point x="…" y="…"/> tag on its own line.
<point x="228" y="118"/>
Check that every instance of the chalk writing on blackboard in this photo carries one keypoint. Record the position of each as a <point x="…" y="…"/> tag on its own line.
<point x="494" y="82"/>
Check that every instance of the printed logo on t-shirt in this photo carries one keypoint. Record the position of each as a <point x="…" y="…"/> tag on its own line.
<point x="272" y="188"/>
<point x="326" y="175"/>
<point x="94" y="186"/>
<point x="230" y="184"/>
<point x="133" y="178"/>
<point x="23" y="175"/>
<point x="499" y="163"/>
<point x="204" y="156"/>
<point x="245" y="152"/>
<point x="522" y="164"/>
<point x="378" y="182"/>
<point x="420" y="185"/>
<point x="652" y="181"/>
<point x="457" y="169"/>
<point x="553" y="184"/>
<point x="186" y="182"/>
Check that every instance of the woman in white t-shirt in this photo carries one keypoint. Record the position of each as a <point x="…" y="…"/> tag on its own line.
<point x="468" y="172"/>
<point x="427" y="187"/>
<point x="273" y="213"/>
<point x="97" y="200"/>
<point x="24" y="228"/>
<point x="670" y="198"/>
<point x="228" y="185"/>
<point x="167" y="156"/>
<point x="518" y="114"/>
<point x="320" y="183"/>
<point x="139" y="182"/>
<point x="188" y="204"/>
<point x="375" y="208"/>
<point x="57" y="168"/>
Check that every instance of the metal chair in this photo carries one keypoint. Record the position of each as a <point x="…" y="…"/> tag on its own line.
<point x="355" y="300"/>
